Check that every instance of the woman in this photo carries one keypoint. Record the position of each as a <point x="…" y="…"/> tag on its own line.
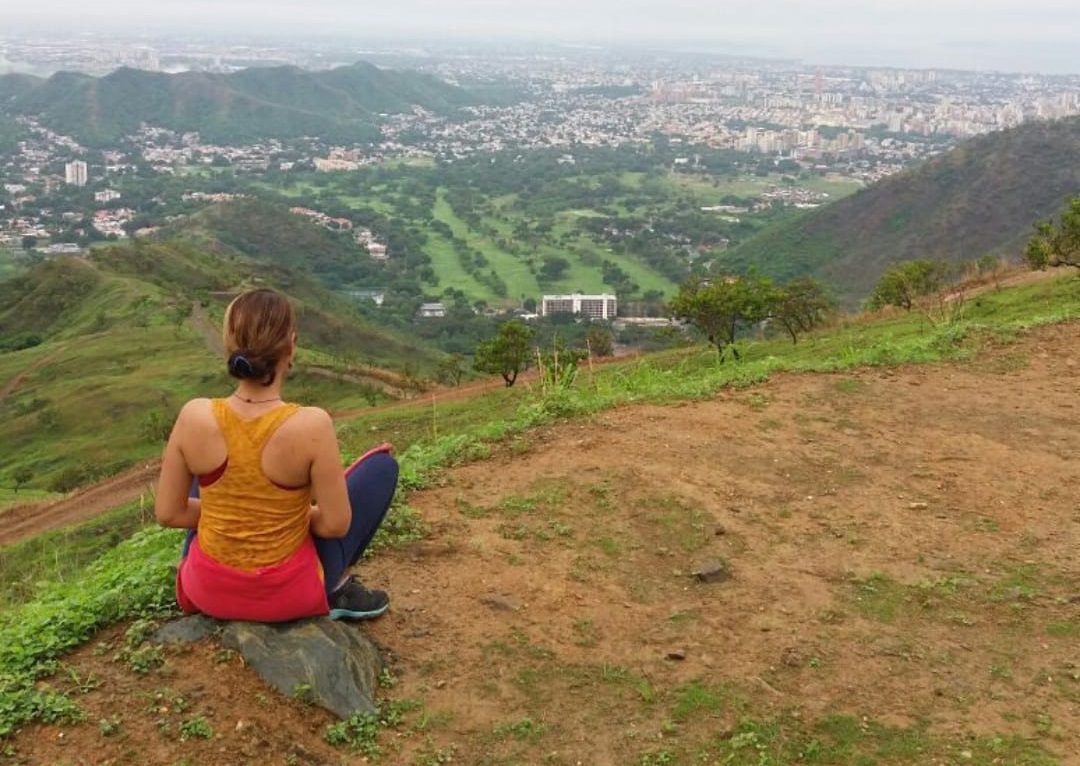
<point x="240" y="473"/>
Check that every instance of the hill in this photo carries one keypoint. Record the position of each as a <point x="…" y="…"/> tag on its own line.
<point x="264" y="230"/>
<point x="341" y="104"/>
<point x="864" y="570"/>
<point x="117" y="341"/>
<point x="978" y="199"/>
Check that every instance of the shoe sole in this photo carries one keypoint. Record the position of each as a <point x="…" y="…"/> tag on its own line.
<point x="351" y="614"/>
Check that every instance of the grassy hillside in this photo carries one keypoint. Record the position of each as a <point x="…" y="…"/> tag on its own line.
<point x="271" y="102"/>
<point x="266" y="231"/>
<point x="978" y="199"/>
<point x="888" y="597"/>
<point x="117" y="343"/>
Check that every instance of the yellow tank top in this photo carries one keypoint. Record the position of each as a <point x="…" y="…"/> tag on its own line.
<point x="247" y="521"/>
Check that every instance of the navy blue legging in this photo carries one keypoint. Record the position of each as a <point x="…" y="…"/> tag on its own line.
<point x="370" y="483"/>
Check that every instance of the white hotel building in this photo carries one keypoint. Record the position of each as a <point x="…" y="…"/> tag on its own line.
<point x="602" y="306"/>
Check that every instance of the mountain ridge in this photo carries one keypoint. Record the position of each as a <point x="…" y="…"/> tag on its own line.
<point x="281" y="102"/>
<point x="979" y="199"/>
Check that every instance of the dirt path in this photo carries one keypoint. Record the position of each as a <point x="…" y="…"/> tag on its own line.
<point x="23" y="521"/>
<point x="211" y="335"/>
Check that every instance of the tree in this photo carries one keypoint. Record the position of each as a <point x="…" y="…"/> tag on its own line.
<point x="554" y="267"/>
<point x="22" y="476"/>
<point x="719" y="306"/>
<point x="1056" y="245"/>
<point x="507" y="353"/>
<point x="450" y="370"/>
<point x="905" y="282"/>
<point x="802" y="305"/>
<point x="599" y="341"/>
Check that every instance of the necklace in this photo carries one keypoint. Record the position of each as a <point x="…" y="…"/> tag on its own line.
<point x="256" y="401"/>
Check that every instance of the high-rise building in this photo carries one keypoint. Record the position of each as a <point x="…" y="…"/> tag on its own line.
<point x="76" y="173"/>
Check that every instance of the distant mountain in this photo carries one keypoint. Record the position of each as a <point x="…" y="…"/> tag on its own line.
<point x="258" y="103"/>
<point x="978" y="199"/>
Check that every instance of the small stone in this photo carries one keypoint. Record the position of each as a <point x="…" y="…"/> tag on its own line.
<point x="719" y="531"/>
<point x="500" y="604"/>
<point x="918" y="506"/>
<point x="440" y="684"/>
<point x="676" y="654"/>
<point x="713" y="570"/>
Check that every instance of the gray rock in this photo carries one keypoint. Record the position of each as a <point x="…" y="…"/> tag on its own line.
<point x="713" y="570"/>
<point x="332" y="664"/>
<point x="194" y="627"/>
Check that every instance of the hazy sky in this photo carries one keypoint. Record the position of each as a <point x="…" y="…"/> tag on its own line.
<point x="1037" y="35"/>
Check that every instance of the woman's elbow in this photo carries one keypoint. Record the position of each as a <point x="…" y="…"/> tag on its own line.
<point x="167" y="514"/>
<point x="330" y="525"/>
<point x="164" y="518"/>
<point x="336" y="528"/>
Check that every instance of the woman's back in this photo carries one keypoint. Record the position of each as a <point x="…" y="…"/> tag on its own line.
<point x="251" y="517"/>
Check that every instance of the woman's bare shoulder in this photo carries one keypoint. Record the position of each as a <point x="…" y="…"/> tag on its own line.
<point x="196" y="408"/>
<point x="313" y="417"/>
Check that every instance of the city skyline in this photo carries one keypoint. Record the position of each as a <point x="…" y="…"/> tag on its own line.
<point x="1038" y="36"/>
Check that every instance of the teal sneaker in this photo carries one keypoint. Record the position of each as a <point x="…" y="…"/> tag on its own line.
<point x="352" y="601"/>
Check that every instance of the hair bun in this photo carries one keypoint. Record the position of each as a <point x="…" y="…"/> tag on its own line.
<point x="241" y="367"/>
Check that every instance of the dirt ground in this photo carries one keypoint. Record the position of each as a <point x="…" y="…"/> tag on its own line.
<point x="893" y="547"/>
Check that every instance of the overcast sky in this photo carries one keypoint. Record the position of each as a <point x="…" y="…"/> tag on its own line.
<point x="1034" y="35"/>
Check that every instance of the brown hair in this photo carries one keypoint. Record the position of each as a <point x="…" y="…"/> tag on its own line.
<point x="257" y="333"/>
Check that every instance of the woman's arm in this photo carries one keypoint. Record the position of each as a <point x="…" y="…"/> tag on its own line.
<point x="332" y="516"/>
<point x="172" y="506"/>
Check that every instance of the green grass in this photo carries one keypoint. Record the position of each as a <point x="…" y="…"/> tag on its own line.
<point x="133" y="579"/>
<point x="512" y="270"/>
<point x="60" y="555"/>
<point x="450" y="271"/>
<point x="10" y="497"/>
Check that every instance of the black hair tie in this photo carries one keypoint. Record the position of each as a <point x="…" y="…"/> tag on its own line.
<point x="240" y="367"/>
